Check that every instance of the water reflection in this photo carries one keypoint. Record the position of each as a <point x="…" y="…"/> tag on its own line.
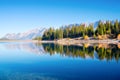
<point x="30" y="47"/>
<point x="98" y="51"/>
<point x="102" y="51"/>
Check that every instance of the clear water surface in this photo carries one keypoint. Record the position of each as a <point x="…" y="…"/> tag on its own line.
<point x="30" y="61"/>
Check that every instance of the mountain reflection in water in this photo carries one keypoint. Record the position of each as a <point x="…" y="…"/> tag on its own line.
<point x="98" y="51"/>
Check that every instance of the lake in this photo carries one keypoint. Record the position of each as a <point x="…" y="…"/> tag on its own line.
<point x="34" y="61"/>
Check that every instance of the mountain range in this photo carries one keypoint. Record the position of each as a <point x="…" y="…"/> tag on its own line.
<point x="29" y="35"/>
<point x="25" y="35"/>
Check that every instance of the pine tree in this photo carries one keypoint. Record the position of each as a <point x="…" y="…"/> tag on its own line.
<point x="116" y="24"/>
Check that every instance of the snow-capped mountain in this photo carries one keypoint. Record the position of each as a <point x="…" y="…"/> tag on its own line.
<point x="26" y="35"/>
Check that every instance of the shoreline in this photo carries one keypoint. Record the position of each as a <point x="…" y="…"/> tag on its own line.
<point x="68" y="41"/>
<point x="73" y="42"/>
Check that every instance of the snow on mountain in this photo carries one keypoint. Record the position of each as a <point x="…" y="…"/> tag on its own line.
<point x="26" y="35"/>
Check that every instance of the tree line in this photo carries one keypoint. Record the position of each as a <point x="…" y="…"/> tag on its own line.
<point x="107" y="29"/>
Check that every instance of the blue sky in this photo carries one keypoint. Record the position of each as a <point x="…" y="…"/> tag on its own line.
<point x="23" y="15"/>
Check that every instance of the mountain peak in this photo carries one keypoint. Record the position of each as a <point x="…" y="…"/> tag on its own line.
<point x="29" y="35"/>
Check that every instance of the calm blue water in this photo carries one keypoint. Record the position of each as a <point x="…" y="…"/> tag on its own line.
<point x="29" y="61"/>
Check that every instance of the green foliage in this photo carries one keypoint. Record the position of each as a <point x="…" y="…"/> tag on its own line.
<point x="101" y="29"/>
<point x="49" y="34"/>
<point x="66" y="32"/>
<point x="90" y="30"/>
<point x="107" y="28"/>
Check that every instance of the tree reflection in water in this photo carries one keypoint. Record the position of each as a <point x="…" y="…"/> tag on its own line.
<point x="104" y="51"/>
<point x="98" y="51"/>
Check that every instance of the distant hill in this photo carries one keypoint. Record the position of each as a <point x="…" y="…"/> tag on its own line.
<point x="26" y="35"/>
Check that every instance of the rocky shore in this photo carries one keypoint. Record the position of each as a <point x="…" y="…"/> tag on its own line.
<point x="69" y="41"/>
